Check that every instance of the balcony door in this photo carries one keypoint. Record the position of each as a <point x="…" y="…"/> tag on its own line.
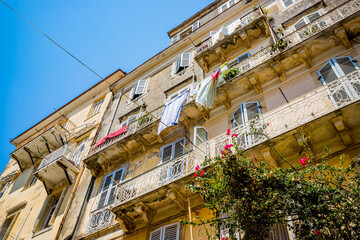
<point x="343" y="91"/>
<point x="241" y="121"/>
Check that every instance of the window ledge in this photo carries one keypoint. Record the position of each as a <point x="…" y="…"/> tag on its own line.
<point x="41" y="231"/>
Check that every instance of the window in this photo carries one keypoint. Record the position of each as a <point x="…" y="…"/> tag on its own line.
<point x="306" y="20"/>
<point x="108" y="186"/>
<point x="174" y="95"/>
<point x="287" y="3"/>
<point x="168" y="232"/>
<point x="138" y="89"/>
<point x="78" y="153"/>
<point x="4" y="189"/>
<point x="200" y="135"/>
<point x="96" y="107"/>
<point x="172" y="150"/>
<point x="49" y="211"/>
<point x="336" y="68"/>
<point x="182" y="62"/>
<point x="245" y="112"/>
<point x="32" y="181"/>
<point x="195" y="25"/>
<point x="227" y="5"/>
<point x="5" y="230"/>
<point x="175" y="38"/>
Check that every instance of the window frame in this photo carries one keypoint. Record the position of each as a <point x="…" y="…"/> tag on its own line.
<point x="220" y="8"/>
<point x="96" y="109"/>
<point x="112" y="184"/>
<point x="172" y="150"/>
<point x="196" y="135"/>
<point x="162" y="231"/>
<point x="13" y="216"/>
<point x="81" y="143"/>
<point x="178" y="66"/>
<point x="306" y="19"/>
<point x="134" y="87"/>
<point x="177" y="93"/>
<point x="244" y="114"/>
<point x="292" y="4"/>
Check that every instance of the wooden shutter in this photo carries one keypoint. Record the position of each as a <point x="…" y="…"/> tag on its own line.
<point x="195" y="25"/>
<point x="175" y="38"/>
<point x="46" y="206"/>
<point x="313" y="16"/>
<point x="185" y="60"/>
<point x="166" y="153"/>
<point x="179" y="148"/>
<point x="118" y="176"/>
<point x="156" y="235"/>
<point x="345" y="64"/>
<point x="287" y="2"/>
<point x="58" y="205"/>
<point x="140" y="87"/>
<point x="104" y="191"/>
<point x="243" y="57"/>
<point x="131" y="119"/>
<point x="200" y="135"/>
<point x="171" y="232"/>
<point x="327" y="73"/>
<point x="177" y="65"/>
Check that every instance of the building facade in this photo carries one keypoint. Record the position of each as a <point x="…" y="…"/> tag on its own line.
<point x="99" y="168"/>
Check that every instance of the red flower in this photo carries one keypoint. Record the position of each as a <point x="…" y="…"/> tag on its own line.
<point x="316" y="232"/>
<point x="234" y="135"/>
<point x="195" y="175"/>
<point x="223" y="152"/>
<point x="228" y="132"/>
<point x="303" y="161"/>
<point x="267" y="124"/>
<point x="197" y="168"/>
<point x="202" y="173"/>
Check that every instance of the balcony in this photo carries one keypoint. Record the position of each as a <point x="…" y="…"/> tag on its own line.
<point x="267" y="64"/>
<point x="99" y="219"/>
<point x="43" y="143"/>
<point x="139" y="136"/>
<point x="59" y="167"/>
<point x="240" y="33"/>
<point x="328" y="121"/>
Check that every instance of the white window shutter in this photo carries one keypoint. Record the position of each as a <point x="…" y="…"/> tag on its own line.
<point x="195" y="25"/>
<point x="175" y="38"/>
<point x="132" y="94"/>
<point x="156" y="235"/>
<point x="171" y="232"/>
<point x="58" y="205"/>
<point x="185" y="60"/>
<point x="105" y="188"/>
<point x="200" y="135"/>
<point x="231" y="2"/>
<point x="140" y="87"/>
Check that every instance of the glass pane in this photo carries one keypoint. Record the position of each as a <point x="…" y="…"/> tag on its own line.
<point x="252" y="110"/>
<point x="287" y="2"/>
<point x="107" y="183"/>
<point x="313" y="16"/>
<point x="328" y="73"/>
<point x="118" y="176"/>
<point x="237" y="117"/>
<point x="201" y="136"/>
<point x="346" y="65"/>
<point x="300" y="24"/>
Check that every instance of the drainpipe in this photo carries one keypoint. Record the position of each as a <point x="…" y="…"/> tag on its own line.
<point x="113" y="116"/>
<point x="27" y="215"/>
<point x="70" y="200"/>
<point x="87" y="192"/>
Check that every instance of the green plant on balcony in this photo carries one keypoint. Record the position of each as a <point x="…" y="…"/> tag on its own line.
<point x="314" y="199"/>
<point x="144" y="119"/>
<point x="230" y="73"/>
<point x="281" y="44"/>
<point x="311" y="30"/>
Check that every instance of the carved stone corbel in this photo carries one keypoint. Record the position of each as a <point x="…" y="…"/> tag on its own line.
<point x="204" y="64"/>
<point x="204" y="112"/>
<point x="176" y="197"/>
<point x="144" y="211"/>
<point x="270" y="156"/>
<point x="220" y="53"/>
<point x="185" y="121"/>
<point x="305" y="57"/>
<point x="255" y="81"/>
<point x="279" y="70"/>
<point x="342" y="129"/>
<point x="126" y="223"/>
<point x="245" y="39"/>
<point x="124" y="150"/>
<point x="342" y="35"/>
<point x="140" y="141"/>
<point x="224" y="98"/>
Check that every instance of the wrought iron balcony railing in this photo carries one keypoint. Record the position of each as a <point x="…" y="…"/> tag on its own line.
<point x="297" y="37"/>
<point x="66" y="152"/>
<point x="99" y="219"/>
<point x="243" y="22"/>
<point x="313" y="105"/>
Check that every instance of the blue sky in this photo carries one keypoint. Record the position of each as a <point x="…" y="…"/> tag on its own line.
<point x="36" y="76"/>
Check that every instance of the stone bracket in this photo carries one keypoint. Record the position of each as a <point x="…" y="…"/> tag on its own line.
<point x="245" y="39"/>
<point x="204" y="64"/>
<point x="255" y="81"/>
<point x="125" y="150"/>
<point x="305" y="57"/>
<point x="224" y="98"/>
<point x="185" y="121"/>
<point x="144" y="211"/>
<point x="270" y="156"/>
<point x="279" y="70"/>
<point x="341" y="34"/>
<point x="205" y="112"/>
<point x="176" y="197"/>
<point x="126" y="223"/>
<point x="220" y="53"/>
<point x="342" y="129"/>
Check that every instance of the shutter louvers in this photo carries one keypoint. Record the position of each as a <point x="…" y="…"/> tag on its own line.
<point x="166" y="154"/>
<point x="111" y="196"/>
<point x="231" y="2"/>
<point x="156" y="235"/>
<point x="171" y="232"/>
<point x="179" y="148"/>
<point x="140" y="87"/>
<point x="185" y="60"/>
<point x="104" y="192"/>
<point x="195" y="25"/>
<point x="313" y="16"/>
<point x="177" y="65"/>
<point x="102" y="200"/>
<point x="300" y="24"/>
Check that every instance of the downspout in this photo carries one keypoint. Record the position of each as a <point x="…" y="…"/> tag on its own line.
<point x="22" y="224"/>
<point x="114" y="113"/>
<point x="87" y="192"/>
<point x="70" y="200"/>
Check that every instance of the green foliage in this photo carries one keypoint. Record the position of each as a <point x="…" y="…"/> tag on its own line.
<point x="230" y="73"/>
<point x="245" y="193"/>
<point x="281" y="44"/>
<point x="144" y="119"/>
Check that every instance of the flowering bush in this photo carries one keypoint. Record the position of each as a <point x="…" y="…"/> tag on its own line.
<point x="314" y="199"/>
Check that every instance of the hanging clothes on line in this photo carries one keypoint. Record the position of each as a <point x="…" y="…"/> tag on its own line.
<point x="194" y="88"/>
<point x="111" y="135"/>
<point x="172" y="110"/>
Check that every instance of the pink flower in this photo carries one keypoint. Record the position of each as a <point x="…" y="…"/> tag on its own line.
<point x="223" y="152"/>
<point x="316" y="232"/>
<point x="197" y="168"/>
<point x="228" y="132"/>
<point x="267" y="124"/>
<point x="254" y="158"/>
<point x="234" y="135"/>
<point x="195" y="175"/>
<point x="303" y="161"/>
<point x="202" y="173"/>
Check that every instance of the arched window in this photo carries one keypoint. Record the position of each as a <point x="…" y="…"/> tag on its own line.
<point x="334" y="69"/>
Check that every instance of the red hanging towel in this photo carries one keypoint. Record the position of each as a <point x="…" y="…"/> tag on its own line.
<point x="215" y="75"/>
<point x="111" y="135"/>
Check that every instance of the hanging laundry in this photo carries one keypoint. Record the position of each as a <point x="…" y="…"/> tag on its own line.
<point x="111" y="135"/>
<point x="194" y="88"/>
<point x="219" y="35"/>
<point x="172" y="110"/>
<point x="235" y="25"/>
